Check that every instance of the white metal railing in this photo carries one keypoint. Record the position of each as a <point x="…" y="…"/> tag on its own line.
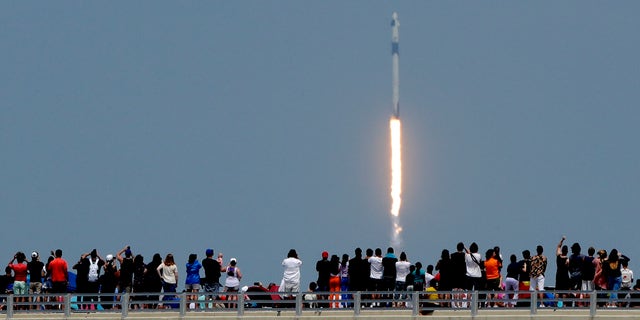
<point x="356" y="302"/>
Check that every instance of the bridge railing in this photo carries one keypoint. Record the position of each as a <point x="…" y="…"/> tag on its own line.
<point x="424" y="302"/>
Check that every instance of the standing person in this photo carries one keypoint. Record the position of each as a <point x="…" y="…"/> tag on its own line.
<point x="82" y="277"/>
<point x="291" y="276"/>
<point x="20" y="270"/>
<point x="95" y="263"/>
<point x="511" y="282"/>
<point x="5" y="281"/>
<point x="563" y="282"/>
<point x="358" y="272"/>
<point x="232" y="282"/>
<point x="600" y="279"/>
<point x="376" y="272"/>
<point x="126" y="269"/>
<point x="419" y="278"/>
<point x="36" y="273"/>
<point x="525" y="269"/>
<point x="168" y="272"/>
<point x="109" y="283"/>
<point x="323" y="267"/>
<point x="389" y="273"/>
<point x="192" y="281"/>
<point x="458" y="275"/>
<point x="612" y="268"/>
<point x="139" y="269"/>
<point x="538" y="268"/>
<point x="445" y="267"/>
<point x="402" y="270"/>
<point x="59" y="273"/>
<point x="344" y="278"/>
<point x="153" y="281"/>
<point x="212" y="274"/>
<point x="492" y="268"/>
<point x="474" y="264"/>
<point x="334" y="281"/>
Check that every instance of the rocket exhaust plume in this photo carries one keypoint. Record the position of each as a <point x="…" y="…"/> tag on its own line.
<point x="396" y="141"/>
<point x="396" y="179"/>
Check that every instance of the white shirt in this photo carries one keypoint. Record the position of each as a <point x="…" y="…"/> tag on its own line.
<point x="376" y="267"/>
<point x="473" y="269"/>
<point x="291" y="270"/>
<point x="402" y="270"/>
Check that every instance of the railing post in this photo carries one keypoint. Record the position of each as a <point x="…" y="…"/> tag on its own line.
<point x="298" y="305"/>
<point x="357" y="303"/>
<point x="183" y="304"/>
<point x="240" y="301"/>
<point x="124" y="304"/>
<point x="415" y="300"/>
<point x="10" y="306"/>
<point x="593" y="303"/>
<point x="474" y="303"/>
<point x="67" y="305"/>
<point x="534" y="302"/>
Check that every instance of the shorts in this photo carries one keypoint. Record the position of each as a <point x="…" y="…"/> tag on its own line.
<point x="35" y="287"/>
<point x="19" y="287"/>
<point x="212" y="287"/>
<point x="193" y="286"/>
<point x="59" y="287"/>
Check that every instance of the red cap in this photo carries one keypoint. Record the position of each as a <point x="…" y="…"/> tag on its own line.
<point x="325" y="254"/>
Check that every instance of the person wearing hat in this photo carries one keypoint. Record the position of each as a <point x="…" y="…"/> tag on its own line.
<point x="212" y="274"/>
<point x="94" y="263"/>
<point x="36" y="272"/>
<point x="323" y="267"/>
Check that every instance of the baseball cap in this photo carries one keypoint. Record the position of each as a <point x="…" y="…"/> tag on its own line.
<point x="109" y="257"/>
<point x="325" y="254"/>
<point x="34" y="254"/>
<point x="209" y="252"/>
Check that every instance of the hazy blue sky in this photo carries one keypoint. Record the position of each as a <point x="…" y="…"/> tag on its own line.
<point x="253" y="127"/>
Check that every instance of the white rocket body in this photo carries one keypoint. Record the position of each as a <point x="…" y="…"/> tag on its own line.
<point x="395" y="60"/>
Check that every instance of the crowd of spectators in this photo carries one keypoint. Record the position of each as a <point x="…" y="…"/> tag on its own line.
<point x="387" y="279"/>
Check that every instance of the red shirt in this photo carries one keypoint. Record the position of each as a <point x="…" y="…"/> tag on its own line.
<point x="58" y="268"/>
<point x="20" y="270"/>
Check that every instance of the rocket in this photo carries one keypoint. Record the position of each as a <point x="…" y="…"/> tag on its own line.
<point x="395" y="61"/>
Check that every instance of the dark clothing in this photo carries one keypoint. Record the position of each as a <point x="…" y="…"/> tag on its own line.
<point x="458" y="270"/>
<point x="35" y="270"/>
<point x="562" y="274"/>
<point x="446" y="273"/>
<point x="108" y="281"/>
<point x="211" y="270"/>
<point x="524" y="275"/>
<point x="513" y="270"/>
<point x="82" y="275"/>
<point x="358" y="274"/>
<point x="588" y="269"/>
<point x="126" y="273"/>
<point x="5" y="281"/>
<point x="389" y="272"/>
<point x="324" y="271"/>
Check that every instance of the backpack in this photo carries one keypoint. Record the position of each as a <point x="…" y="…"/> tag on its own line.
<point x="94" y="268"/>
<point x="627" y="278"/>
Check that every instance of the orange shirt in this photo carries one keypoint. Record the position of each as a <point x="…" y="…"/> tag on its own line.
<point x="492" y="267"/>
<point x="58" y="268"/>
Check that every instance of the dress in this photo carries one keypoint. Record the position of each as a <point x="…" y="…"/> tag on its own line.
<point x="291" y="276"/>
<point x="562" y="274"/>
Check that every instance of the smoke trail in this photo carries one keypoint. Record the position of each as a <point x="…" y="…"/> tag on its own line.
<point x="396" y="180"/>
